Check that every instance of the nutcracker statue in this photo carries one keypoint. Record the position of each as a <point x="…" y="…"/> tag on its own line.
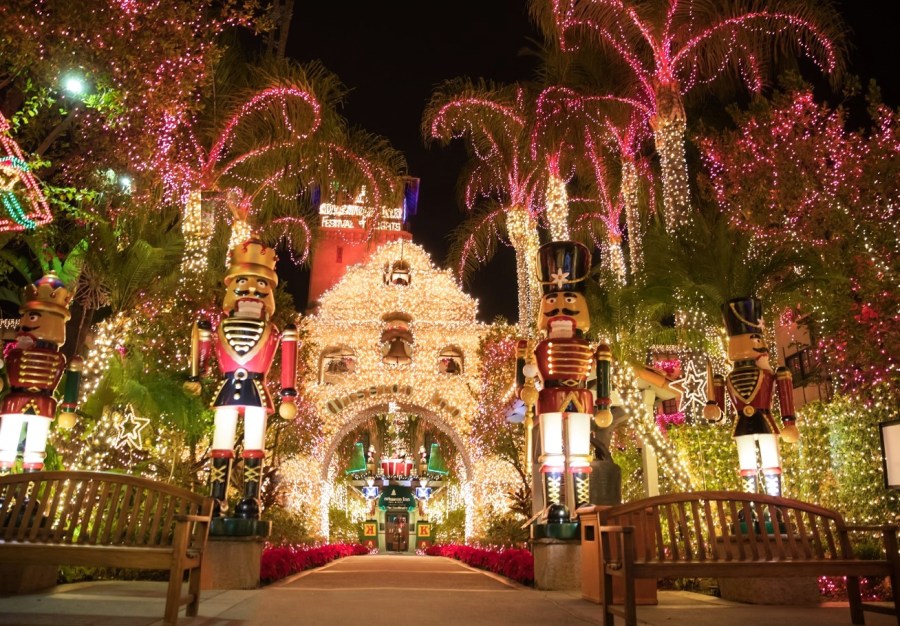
<point x="245" y="344"/>
<point x="34" y="366"/>
<point x="563" y="361"/>
<point x="750" y="386"/>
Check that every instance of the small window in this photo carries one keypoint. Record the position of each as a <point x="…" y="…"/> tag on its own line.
<point x="397" y="273"/>
<point x="799" y="364"/>
<point x="450" y="361"/>
<point x="337" y="362"/>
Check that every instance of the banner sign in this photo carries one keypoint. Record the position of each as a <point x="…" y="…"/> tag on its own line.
<point x="397" y="497"/>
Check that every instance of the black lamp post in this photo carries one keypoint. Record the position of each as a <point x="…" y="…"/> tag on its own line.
<point x="890" y="452"/>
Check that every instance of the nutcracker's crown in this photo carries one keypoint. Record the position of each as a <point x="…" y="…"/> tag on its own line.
<point x="252" y="258"/>
<point x="47" y="294"/>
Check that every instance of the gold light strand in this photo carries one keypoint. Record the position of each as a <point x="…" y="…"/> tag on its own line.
<point x="614" y="259"/>
<point x="240" y="232"/>
<point x="109" y="336"/>
<point x="644" y="422"/>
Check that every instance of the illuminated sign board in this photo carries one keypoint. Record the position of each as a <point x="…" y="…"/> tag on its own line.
<point x="355" y="215"/>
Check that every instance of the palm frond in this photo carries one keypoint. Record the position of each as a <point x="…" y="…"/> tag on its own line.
<point x="474" y="242"/>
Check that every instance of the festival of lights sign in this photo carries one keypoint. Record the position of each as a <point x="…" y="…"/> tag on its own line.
<point x="356" y="214"/>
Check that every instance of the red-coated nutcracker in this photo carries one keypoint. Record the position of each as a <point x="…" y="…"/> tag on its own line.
<point x="751" y="385"/>
<point x="245" y="344"/>
<point x="34" y="366"/>
<point x="563" y="361"/>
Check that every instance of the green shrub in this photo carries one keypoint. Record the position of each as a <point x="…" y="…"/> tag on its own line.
<point x="452" y="529"/>
<point x="288" y="527"/>
<point x="505" y="530"/>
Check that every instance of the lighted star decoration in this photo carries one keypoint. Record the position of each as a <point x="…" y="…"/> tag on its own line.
<point x="129" y="431"/>
<point x="559" y="278"/>
<point x="693" y="386"/>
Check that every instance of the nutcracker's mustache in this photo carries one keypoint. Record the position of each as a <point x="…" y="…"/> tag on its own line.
<point x="555" y="312"/>
<point x="243" y="293"/>
<point x="28" y="329"/>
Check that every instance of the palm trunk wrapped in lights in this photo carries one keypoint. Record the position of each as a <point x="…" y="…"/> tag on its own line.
<point x="669" y="130"/>
<point x="523" y="236"/>
<point x="614" y="258"/>
<point x="197" y="228"/>
<point x="558" y="208"/>
<point x="632" y="215"/>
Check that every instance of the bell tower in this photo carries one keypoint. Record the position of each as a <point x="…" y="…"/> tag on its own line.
<point x="345" y="240"/>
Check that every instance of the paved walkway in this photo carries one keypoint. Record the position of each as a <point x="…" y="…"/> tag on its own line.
<point x="387" y="590"/>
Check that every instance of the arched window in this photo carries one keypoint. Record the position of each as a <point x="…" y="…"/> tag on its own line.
<point x="397" y="273"/>
<point x="336" y="363"/>
<point x="450" y="361"/>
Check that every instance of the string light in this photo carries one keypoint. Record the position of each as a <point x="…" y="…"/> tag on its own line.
<point x="351" y="315"/>
<point x="557" y="208"/>
<point x="524" y="238"/>
<point x="14" y="171"/>
<point x="674" y="59"/>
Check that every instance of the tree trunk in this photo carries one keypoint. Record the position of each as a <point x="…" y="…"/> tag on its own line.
<point x="632" y="216"/>
<point x="287" y="12"/>
<point x="523" y="236"/>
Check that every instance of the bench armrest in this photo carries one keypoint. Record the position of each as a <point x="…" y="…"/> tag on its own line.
<point x="623" y="539"/>
<point x="192" y="518"/>
<point x="615" y="529"/>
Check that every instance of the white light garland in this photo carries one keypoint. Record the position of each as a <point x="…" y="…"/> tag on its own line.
<point x="523" y="236"/>
<point x="557" y="208"/>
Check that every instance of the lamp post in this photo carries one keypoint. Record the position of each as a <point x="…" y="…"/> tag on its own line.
<point x="890" y="452"/>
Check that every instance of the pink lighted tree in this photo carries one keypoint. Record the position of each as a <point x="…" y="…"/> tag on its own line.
<point x="503" y="183"/>
<point x="793" y="175"/>
<point x="669" y="48"/>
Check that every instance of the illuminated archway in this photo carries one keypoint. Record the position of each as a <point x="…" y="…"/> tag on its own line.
<point x="437" y="314"/>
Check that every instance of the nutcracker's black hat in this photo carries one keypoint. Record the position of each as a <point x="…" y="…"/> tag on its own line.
<point x="742" y="316"/>
<point x="563" y="266"/>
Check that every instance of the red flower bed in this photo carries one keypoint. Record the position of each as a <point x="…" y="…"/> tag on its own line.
<point x="514" y="563"/>
<point x="281" y="561"/>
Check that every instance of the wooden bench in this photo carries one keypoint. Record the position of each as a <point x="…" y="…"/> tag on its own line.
<point x="719" y="534"/>
<point x="103" y="519"/>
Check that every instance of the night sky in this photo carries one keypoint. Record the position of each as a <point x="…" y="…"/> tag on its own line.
<point x="392" y="55"/>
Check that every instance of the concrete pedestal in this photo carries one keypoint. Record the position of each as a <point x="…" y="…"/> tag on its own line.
<point x="787" y="591"/>
<point x="557" y="564"/>
<point x="231" y="563"/>
<point x="18" y="579"/>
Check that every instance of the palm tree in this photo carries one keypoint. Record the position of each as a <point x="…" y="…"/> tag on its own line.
<point x="272" y="142"/>
<point x="504" y="181"/>
<point x="669" y="48"/>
